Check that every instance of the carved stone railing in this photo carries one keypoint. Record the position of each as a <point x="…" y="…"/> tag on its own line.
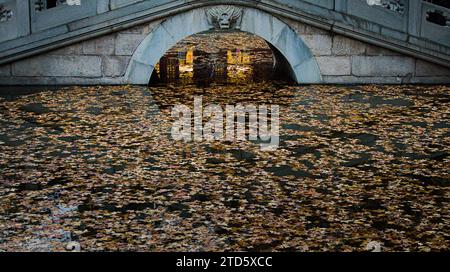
<point x="437" y="15"/>
<point x="14" y="19"/>
<point x="52" y="13"/>
<point x="398" y="22"/>
<point x="388" y="17"/>
<point x="5" y="14"/>
<point x="435" y="23"/>
<point x="40" y="5"/>
<point x="392" y="5"/>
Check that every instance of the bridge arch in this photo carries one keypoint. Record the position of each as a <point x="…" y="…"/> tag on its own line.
<point x="289" y="48"/>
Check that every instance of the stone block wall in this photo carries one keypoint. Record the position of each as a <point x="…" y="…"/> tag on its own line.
<point x="348" y="61"/>
<point x="104" y="60"/>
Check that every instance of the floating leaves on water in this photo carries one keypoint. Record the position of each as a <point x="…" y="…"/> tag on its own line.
<point x="96" y="166"/>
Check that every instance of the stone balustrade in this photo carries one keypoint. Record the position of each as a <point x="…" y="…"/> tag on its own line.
<point x="408" y="21"/>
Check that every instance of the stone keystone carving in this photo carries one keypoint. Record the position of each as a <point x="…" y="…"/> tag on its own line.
<point x="225" y="17"/>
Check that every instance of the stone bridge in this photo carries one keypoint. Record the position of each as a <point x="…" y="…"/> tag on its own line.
<point x="315" y="41"/>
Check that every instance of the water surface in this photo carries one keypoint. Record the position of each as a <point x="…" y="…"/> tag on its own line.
<point x="97" y="165"/>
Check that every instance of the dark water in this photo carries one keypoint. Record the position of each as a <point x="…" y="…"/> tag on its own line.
<point x="97" y="165"/>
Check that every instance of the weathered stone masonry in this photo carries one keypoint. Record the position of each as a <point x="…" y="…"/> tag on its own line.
<point x="340" y="44"/>
<point x="102" y="60"/>
<point x="105" y="60"/>
<point x="345" y="60"/>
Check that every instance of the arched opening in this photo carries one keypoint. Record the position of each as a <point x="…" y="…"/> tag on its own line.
<point x="291" y="53"/>
<point x="221" y="57"/>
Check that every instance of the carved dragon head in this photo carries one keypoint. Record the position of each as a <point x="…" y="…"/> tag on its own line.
<point x="224" y="17"/>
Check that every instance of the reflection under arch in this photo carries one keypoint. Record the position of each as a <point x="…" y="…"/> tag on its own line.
<point x="291" y="53"/>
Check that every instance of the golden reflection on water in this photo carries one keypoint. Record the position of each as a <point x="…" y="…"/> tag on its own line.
<point x="192" y="61"/>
